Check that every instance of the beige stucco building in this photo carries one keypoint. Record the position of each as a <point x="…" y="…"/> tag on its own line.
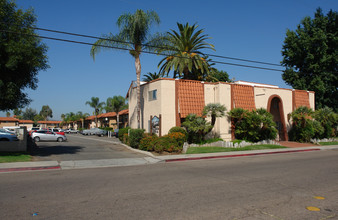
<point x="172" y="100"/>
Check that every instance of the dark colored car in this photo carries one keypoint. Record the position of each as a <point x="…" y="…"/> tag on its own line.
<point x="116" y="133"/>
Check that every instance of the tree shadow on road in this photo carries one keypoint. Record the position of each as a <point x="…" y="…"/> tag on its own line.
<point x="58" y="149"/>
<point x="55" y="150"/>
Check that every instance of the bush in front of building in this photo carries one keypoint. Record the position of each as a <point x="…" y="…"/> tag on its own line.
<point x="197" y="127"/>
<point x="178" y="136"/>
<point x="307" y="125"/>
<point x="146" y="143"/>
<point x="179" y="129"/>
<point x="135" y="136"/>
<point x="123" y="131"/>
<point x="125" y="139"/>
<point x="253" y="126"/>
<point x="167" y="144"/>
<point x="328" y="120"/>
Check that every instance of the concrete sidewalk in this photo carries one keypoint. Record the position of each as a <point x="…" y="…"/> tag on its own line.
<point x="80" y="164"/>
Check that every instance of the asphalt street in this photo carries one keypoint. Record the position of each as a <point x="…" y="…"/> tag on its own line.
<point x="276" y="186"/>
<point x="80" y="147"/>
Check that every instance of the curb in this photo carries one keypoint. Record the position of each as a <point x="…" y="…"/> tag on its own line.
<point x="6" y="170"/>
<point x="239" y="155"/>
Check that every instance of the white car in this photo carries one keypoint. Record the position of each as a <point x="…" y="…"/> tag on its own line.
<point x="7" y="136"/>
<point x="44" y="135"/>
<point x="71" y="131"/>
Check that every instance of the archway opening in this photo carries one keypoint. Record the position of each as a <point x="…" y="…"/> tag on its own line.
<point x="275" y="107"/>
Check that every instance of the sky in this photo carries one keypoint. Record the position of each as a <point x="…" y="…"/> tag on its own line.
<point x="253" y="30"/>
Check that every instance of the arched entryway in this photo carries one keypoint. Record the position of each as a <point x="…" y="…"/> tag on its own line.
<point x="275" y="107"/>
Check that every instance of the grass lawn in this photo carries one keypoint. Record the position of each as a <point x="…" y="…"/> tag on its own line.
<point x="14" y="157"/>
<point x="201" y="150"/>
<point x="328" y="143"/>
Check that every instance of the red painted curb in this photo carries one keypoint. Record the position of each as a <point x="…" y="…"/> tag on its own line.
<point x="29" y="168"/>
<point x="239" y="155"/>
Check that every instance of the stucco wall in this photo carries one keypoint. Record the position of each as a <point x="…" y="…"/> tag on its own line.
<point x="164" y="105"/>
<point x="262" y="96"/>
<point x="8" y="124"/>
<point x="220" y="93"/>
<point x="312" y="100"/>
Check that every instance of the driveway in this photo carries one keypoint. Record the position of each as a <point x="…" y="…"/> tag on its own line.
<point x="79" y="147"/>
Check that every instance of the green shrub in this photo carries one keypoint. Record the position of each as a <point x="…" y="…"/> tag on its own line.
<point x="146" y="143"/>
<point x="197" y="127"/>
<point x="166" y="143"/>
<point x="135" y="136"/>
<point x="178" y="136"/>
<point x="123" y="131"/>
<point x="107" y="129"/>
<point x="125" y="139"/>
<point x="253" y="126"/>
<point x="179" y="129"/>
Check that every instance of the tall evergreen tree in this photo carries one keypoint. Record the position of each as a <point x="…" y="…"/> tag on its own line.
<point x="311" y="59"/>
<point x="22" y="56"/>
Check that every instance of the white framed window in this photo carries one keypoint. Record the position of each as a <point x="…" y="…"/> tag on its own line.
<point x="153" y="95"/>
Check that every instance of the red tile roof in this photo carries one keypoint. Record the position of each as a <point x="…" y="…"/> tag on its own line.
<point x="190" y="97"/>
<point x="301" y="98"/>
<point x="8" y="119"/>
<point x="243" y="96"/>
<point x="26" y="121"/>
<point x="49" y="122"/>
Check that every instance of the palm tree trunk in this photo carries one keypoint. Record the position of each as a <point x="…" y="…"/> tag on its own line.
<point x="138" y="88"/>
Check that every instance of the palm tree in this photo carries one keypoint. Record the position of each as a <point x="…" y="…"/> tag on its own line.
<point x="215" y="110"/>
<point x="108" y="106"/>
<point x="118" y="103"/>
<point x="135" y="36"/>
<point x="151" y="76"/>
<point x="63" y="116"/>
<point x="183" y="52"/>
<point x="8" y="114"/>
<point x="97" y="105"/>
<point x="82" y="117"/>
<point x="70" y="118"/>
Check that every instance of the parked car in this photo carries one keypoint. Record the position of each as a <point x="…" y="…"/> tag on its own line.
<point x="44" y="135"/>
<point x="33" y="129"/>
<point x="116" y="133"/>
<point x="7" y="136"/>
<point x="101" y="132"/>
<point x="71" y="131"/>
<point x="94" y="131"/>
<point x="57" y="131"/>
<point x="7" y="130"/>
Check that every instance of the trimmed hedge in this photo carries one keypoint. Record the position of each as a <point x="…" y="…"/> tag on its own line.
<point x="135" y="136"/>
<point x="167" y="144"/>
<point x="146" y="143"/>
<point x="179" y="129"/>
<point x="123" y="131"/>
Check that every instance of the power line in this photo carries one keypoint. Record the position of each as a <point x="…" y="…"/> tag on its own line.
<point x="120" y="48"/>
<point x="100" y="38"/>
<point x="94" y="37"/>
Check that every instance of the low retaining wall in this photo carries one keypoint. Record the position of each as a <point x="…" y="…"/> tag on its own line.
<point x="228" y="144"/>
